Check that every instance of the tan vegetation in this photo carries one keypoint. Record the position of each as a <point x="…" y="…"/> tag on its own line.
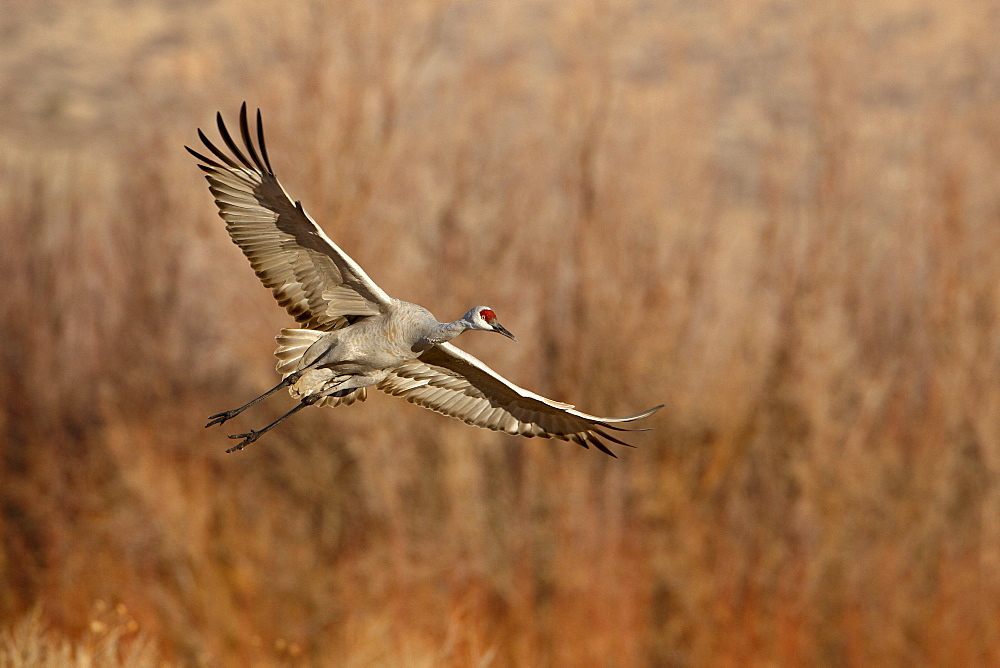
<point x="781" y="219"/>
<point x="111" y="640"/>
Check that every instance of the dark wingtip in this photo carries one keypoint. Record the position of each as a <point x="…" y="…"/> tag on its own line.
<point x="209" y="166"/>
<point x="600" y="445"/>
<point x="215" y="151"/>
<point x="263" y="146"/>
<point x="248" y="141"/>
<point x="611" y="438"/>
<point x="228" y="139"/>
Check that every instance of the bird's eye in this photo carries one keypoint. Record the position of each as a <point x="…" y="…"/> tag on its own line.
<point x="487" y="315"/>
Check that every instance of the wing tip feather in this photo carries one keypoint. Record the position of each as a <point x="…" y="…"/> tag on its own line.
<point x="631" y="418"/>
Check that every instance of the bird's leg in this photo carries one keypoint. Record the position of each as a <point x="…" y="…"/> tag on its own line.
<point x="252" y="435"/>
<point x="219" y="418"/>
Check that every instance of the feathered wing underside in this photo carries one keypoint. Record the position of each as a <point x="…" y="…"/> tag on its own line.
<point x="448" y="380"/>
<point x="309" y="275"/>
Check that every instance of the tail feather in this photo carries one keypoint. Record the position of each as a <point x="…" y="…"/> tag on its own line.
<point x="292" y="345"/>
<point x="349" y="397"/>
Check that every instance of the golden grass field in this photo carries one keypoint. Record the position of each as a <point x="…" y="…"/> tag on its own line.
<point x="780" y="219"/>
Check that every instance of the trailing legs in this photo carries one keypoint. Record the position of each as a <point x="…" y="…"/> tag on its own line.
<point x="252" y="435"/>
<point x="219" y="418"/>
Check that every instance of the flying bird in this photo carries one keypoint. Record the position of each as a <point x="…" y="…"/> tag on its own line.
<point x="353" y="335"/>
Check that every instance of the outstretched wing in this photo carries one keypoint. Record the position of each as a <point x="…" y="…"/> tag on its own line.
<point x="317" y="283"/>
<point x="449" y="380"/>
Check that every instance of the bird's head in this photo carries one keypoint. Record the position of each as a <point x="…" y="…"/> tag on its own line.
<point x="483" y="317"/>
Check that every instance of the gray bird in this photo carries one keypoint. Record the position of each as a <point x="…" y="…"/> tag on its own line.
<point x="355" y="336"/>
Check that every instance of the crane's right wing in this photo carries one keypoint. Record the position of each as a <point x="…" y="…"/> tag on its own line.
<point x="449" y="380"/>
<point x="317" y="283"/>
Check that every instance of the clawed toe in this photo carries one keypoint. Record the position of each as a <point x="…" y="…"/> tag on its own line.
<point x="248" y="438"/>
<point x="219" y="418"/>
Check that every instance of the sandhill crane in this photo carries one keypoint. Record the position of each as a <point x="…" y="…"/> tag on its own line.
<point x="355" y="336"/>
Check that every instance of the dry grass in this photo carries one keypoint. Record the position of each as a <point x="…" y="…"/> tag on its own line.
<point x="111" y="640"/>
<point x="781" y="219"/>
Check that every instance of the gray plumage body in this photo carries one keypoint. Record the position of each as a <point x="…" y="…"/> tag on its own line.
<point x="364" y="353"/>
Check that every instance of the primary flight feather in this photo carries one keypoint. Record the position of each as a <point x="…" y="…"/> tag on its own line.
<point x="354" y="335"/>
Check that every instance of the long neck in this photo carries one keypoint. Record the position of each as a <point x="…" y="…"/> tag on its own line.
<point x="446" y="331"/>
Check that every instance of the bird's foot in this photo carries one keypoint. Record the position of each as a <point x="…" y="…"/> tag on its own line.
<point x="219" y="418"/>
<point x="248" y="438"/>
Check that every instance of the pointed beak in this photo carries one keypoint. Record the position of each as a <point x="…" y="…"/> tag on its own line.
<point x="499" y="329"/>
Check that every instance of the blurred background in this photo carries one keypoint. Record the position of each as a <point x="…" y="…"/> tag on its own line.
<point x="780" y="219"/>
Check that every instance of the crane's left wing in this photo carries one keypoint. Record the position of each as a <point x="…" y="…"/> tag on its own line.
<point x="317" y="282"/>
<point x="449" y="380"/>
